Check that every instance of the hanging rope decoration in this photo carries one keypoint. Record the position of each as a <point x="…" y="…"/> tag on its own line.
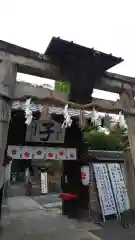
<point x="28" y="111"/>
<point x="67" y="118"/>
<point x="122" y="121"/>
<point x="95" y="117"/>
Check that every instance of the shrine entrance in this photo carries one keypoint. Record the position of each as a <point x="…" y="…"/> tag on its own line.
<point x="43" y="156"/>
<point x="84" y="69"/>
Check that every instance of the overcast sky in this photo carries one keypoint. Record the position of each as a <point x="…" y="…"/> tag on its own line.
<point x="106" y="25"/>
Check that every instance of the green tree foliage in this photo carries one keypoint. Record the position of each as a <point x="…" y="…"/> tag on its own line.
<point x="117" y="131"/>
<point x="102" y="141"/>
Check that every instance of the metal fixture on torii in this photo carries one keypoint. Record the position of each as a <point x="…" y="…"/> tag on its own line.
<point x="82" y="67"/>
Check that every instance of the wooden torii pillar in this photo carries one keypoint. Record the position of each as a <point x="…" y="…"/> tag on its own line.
<point x="127" y="101"/>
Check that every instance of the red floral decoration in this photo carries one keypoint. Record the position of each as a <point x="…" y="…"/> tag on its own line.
<point x="84" y="175"/>
<point x="27" y="154"/>
<point x="50" y="155"/>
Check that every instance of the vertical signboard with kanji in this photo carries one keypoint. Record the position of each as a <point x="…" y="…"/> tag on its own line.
<point x="106" y="197"/>
<point x="44" y="183"/>
<point x="119" y="188"/>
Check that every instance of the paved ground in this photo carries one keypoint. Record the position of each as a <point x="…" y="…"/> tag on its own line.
<point x="18" y="189"/>
<point x="48" y="199"/>
<point x="113" y="230"/>
<point x="28" y="220"/>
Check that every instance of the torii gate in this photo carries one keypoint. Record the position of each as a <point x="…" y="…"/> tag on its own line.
<point x="16" y="59"/>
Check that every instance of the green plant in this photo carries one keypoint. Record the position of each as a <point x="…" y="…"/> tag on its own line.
<point x="62" y="86"/>
<point x="101" y="141"/>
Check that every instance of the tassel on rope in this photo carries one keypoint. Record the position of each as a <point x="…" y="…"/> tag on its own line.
<point x="122" y="121"/>
<point x="28" y="111"/>
<point x="94" y="117"/>
<point x="67" y="118"/>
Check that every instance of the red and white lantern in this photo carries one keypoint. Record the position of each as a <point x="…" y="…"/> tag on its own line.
<point x="85" y="175"/>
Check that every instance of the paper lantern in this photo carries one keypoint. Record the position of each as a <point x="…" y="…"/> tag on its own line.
<point x="85" y="175"/>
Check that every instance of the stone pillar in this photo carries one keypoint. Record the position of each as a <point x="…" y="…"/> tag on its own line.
<point x="127" y="101"/>
<point x="8" y="73"/>
<point x="129" y="176"/>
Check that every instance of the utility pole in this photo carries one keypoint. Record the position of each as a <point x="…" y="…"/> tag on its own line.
<point x="8" y="72"/>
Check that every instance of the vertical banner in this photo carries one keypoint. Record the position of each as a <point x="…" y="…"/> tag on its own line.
<point x="119" y="188"/>
<point x="106" y="197"/>
<point x="44" y="184"/>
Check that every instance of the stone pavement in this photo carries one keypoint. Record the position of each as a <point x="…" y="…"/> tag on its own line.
<point x="114" y="230"/>
<point x="28" y="220"/>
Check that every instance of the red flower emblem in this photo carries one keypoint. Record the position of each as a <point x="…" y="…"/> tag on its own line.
<point x="26" y="154"/>
<point x="14" y="152"/>
<point x="84" y="175"/>
<point x="50" y="155"/>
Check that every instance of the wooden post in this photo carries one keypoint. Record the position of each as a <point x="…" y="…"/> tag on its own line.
<point x="127" y="101"/>
<point x="8" y="73"/>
